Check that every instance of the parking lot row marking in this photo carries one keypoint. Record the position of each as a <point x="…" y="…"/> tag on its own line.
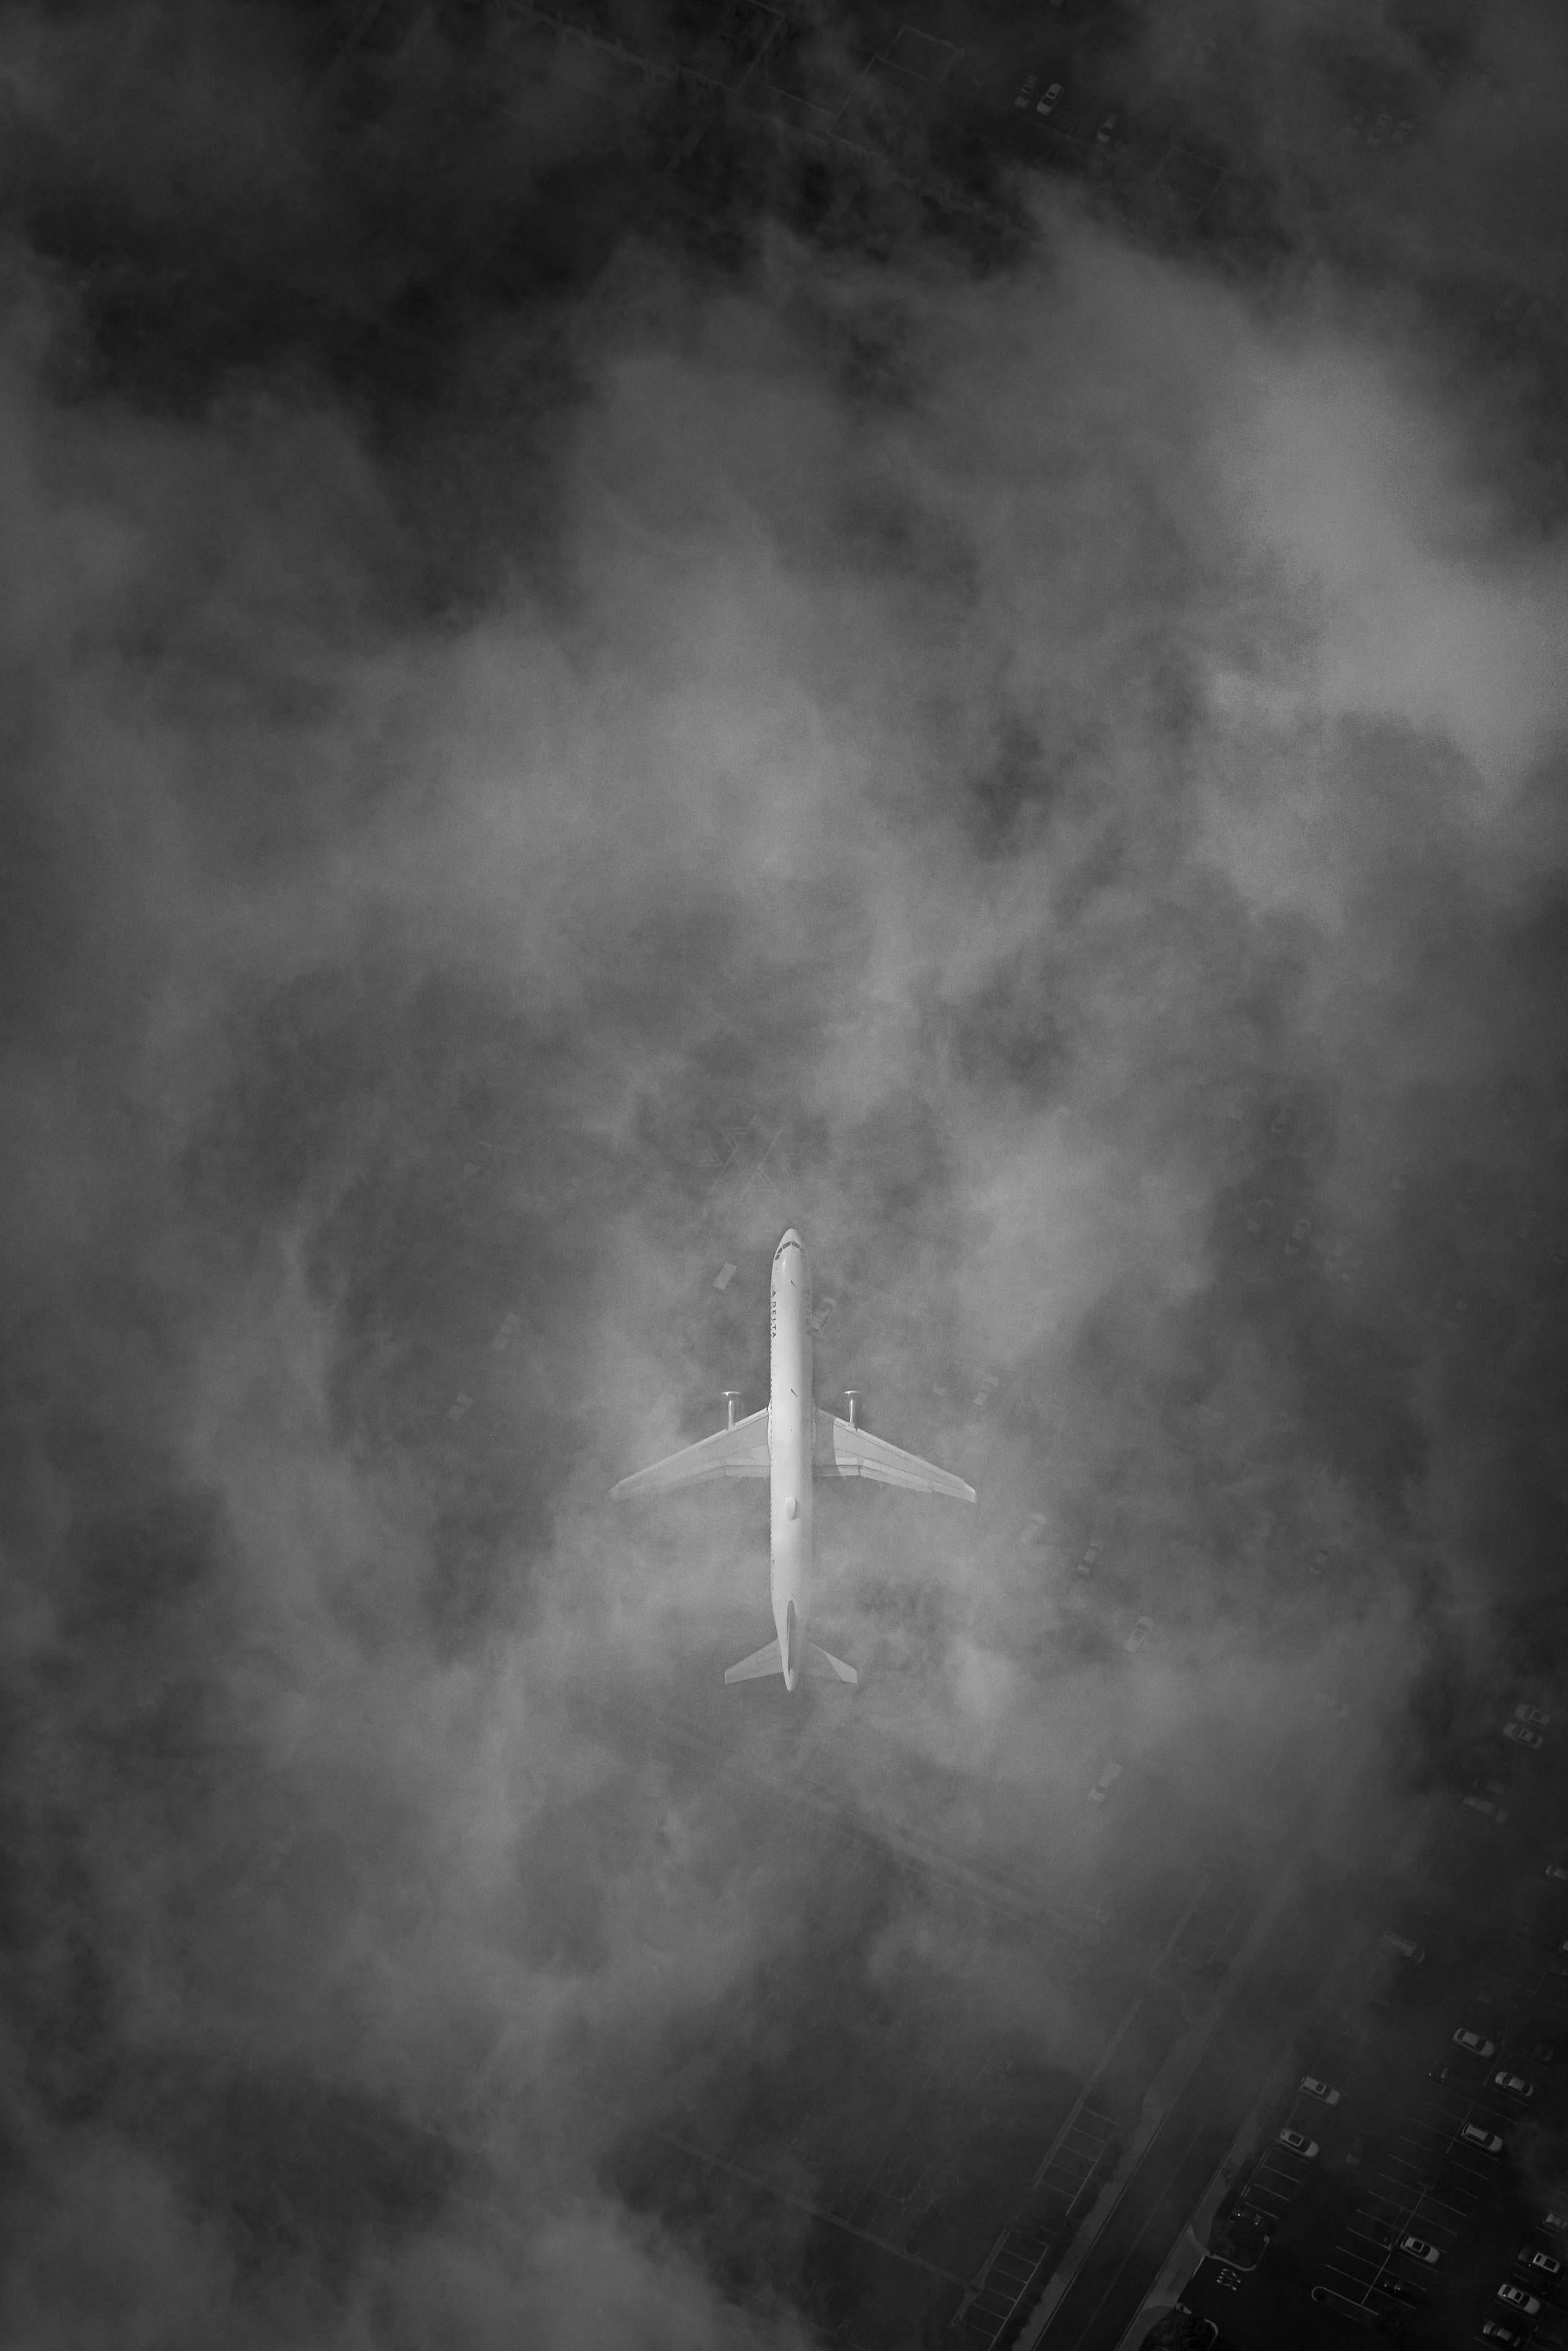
<point x="1408" y="2205"/>
<point x="1459" y="2211"/>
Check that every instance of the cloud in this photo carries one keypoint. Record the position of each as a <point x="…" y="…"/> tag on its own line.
<point x="1067" y="748"/>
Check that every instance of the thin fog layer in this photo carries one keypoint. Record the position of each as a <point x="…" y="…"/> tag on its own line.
<point x="1065" y="756"/>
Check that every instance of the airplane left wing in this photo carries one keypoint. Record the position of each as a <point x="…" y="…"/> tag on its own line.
<point x="846" y="1452"/>
<point x="738" y="1452"/>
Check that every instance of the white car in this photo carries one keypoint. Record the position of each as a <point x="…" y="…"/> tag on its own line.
<point x="1027" y="89"/>
<point x="1090" y="1560"/>
<point x="1316" y="2089"/>
<point x="1488" y="2141"/>
<point x="1513" y="2084"/>
<point x="1532" y="1714"/>
<point x="1517" y="2299"/>
<point x="1474" y="2042"/>
<point x="1050" y="99"/>
<point x="1298" y="2143"/>
<point x="1404" y="1946"/>
<point x="1491" y="1811"/>
<point x="1107" y="130"/>
<point x="1104" y="1783"/>
<point x="1556" y="1869"/>
<point x="1138" y="1636"/>
<point x="1521" y="1734"/>
<point x="1418" y="2248"/>
<point x="1543" y="2264"/>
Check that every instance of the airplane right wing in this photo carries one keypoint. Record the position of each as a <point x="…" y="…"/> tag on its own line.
<point x="844" y="1451"/>
<point x="738" y="1452"/>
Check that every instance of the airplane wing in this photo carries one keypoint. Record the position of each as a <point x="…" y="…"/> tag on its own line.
<point x="738" y="1452"/>
<point x="846" y="1452"/>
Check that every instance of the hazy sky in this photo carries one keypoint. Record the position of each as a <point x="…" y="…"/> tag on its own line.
<point x="519" y="659"/>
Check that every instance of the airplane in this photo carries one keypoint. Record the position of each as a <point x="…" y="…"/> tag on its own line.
<point x="792" y="1443"/>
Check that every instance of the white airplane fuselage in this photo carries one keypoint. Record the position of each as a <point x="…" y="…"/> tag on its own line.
<point x="791" y="1444"/>
<point x="791" y="1433"/>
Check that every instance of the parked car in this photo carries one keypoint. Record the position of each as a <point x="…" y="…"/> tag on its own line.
<point x="1087" y="1564"/>
<point x="1517" y="2299"/>
<point x="1516" y="2087"/>
<point x="1050" y="99"/>
<point x="1316" y="2089"/>
<point x="1106" y="131"/>
<point x="1418" y="2249"/>
<point x="1298" y="2143"/>
<point x="1544" y="2052"/>
<point x="1397" y="2290"/>
<point x="1487" y="1810"/>
<point x="1533" y="1715"/>
<point x="1475" y="2043"/>
<point x="1494" y="2331"/>
<point x="1542" y="2264"/>
<point x="1027" y="89"/>
<point x="1104" y="1783"/>
<point x="1357" y="2152"/>
<point x="1556" y="1869"/>
<point x="1558" y="2220"/>
<point x="1406" y="1948"/>
<point x="1138" y="1636"/>
<point x="1474" y="2134"/>
<point x="1521" y="1734"/>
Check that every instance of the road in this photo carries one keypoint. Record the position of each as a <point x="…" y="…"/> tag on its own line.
<point x="1185" y="2151"/>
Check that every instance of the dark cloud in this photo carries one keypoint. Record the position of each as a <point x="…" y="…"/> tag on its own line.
<point x="544" y="633"/>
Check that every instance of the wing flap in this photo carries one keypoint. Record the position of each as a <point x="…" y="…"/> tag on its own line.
<point x="738" y="1452"/>
<point x="845" y="1452"/>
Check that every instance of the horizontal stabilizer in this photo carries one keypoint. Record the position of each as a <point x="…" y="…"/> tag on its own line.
<point x="845" y="1673"/>
<point x="845" y="1451"/>
<point x="768" y="1660"/>
<point x="738" y="1452"/>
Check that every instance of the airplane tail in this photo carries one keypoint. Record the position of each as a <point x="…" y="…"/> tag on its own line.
<point x="768" y="1660"/>
<point x="845" y="1673"/>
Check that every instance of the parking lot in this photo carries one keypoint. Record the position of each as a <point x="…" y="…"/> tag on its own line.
<point x="1420" y="2199"/>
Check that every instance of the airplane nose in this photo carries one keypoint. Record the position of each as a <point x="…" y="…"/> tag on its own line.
<point x="791" y="1240"/>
